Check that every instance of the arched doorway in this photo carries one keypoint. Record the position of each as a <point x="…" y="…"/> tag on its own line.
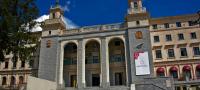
<point x="21" y="80"/>
<point x="117" y="65"/>
<point x="187" y="72"/>
<point x="70" y="65"/>
<point x="13" y="81"/>
<point x="4" y="81"/>
<point x="160" y="72"/>
<point x="174" y="72"/>
<point x="92" y="61"/>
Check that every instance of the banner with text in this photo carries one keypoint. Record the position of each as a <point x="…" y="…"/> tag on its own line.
<point x="142" y="63"/>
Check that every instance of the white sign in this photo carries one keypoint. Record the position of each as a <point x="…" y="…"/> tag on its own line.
<point x="142" y="63"/>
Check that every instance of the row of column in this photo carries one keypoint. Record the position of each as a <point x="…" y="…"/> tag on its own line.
<point x="104" y="64"/>
<point x="81" y="81"/>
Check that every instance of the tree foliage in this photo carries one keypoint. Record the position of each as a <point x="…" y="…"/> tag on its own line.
<point x="16" y="22"/>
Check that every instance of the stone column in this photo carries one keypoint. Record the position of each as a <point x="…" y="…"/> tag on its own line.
<point x="60" y="80"/>
<point x="81" y="64"/>
<point x="105" y="80"/>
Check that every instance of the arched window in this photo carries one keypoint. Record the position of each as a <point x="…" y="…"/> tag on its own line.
<point x="187" y="73"/>
<point x="4" y="81"/>
<point x="160" y="72"/>
<point x="21" y="80"/>
<point x="174" y="72"/>
<point x="13" y="80"/>
<point x="198" y="71"/>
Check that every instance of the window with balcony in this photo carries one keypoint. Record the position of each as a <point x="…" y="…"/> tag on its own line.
<point x="166" y="25"/>
<point x="196" y="51"/>
<point x="171" y="53"/>
<point x="156" y="39"/>
<point x="178" y="24"/>
<point x="155" y="26"/>
<point x="168" y="38"/>
<point x="180" y="36"/>
<point x="158" y="54"/>
<point x="193" y="35"/>
<point x="183" y="52"/>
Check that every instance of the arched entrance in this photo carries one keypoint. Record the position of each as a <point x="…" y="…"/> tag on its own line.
<point x="117" y="65"/>
<point x="92" y="61"/>
<point x="70" y="65"/>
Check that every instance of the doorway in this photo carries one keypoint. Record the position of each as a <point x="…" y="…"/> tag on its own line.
<point x="73" y="79"/>
<point x="118" y="78"/>
<point x="95" y="80"/>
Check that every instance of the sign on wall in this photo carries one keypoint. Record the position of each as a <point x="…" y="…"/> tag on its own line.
<point x="142" y="63"/>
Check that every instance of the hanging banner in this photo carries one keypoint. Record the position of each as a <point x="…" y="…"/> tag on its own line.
<point x="142" y="63"/>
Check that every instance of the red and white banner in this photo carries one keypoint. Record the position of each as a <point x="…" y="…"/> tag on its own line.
<point x="142" y="63"/>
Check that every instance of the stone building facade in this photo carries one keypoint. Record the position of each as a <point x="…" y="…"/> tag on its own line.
<point x="14" y="74"/>
<point x="175" y="47"/>
<point x="100" y="57"/>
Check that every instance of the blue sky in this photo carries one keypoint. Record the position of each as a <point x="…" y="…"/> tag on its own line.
<point x="93" y="12"/>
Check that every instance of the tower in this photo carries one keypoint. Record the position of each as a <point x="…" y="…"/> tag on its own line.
<point x="137" y="14"/>
<point x="135" y="6"/>
<point x="55" y="24"/>
<point x="137" y="21"/>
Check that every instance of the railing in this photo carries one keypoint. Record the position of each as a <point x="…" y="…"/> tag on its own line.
<point x="70" y="62"/>
<point x="95" y="28"/>
<point x="136" y="10"/>
<point x="117" y="58"/>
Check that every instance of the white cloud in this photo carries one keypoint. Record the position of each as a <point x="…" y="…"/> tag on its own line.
<point x="66" y="6"/>
<point x="69" y="24"/>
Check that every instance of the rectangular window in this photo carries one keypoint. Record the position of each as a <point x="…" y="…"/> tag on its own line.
<point x="22" y="64"/>
<point x="156" y="39"/>
<point x="117" y="43"/>
<point x="166" y="25"/>
<point x="193" y="35"/>
<point x="183" y="52"/>
<point x="168" y="38"/>
<point x="190" y="23"/>
<point x="135" y="5"/>
<point x="95" y="59"/>
<point x="171" y="53"/>
<point x="155" y="26"/>
<point x="6" y="65"/>
<point x="14" y="64"/>
<point x="180" y="36"/>
<point x="137" y="22"/>
<point x="178" y="24"/>
<point x="158" y="54"/>
<point x="196" y="50"/>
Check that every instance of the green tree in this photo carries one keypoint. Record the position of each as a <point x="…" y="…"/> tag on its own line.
<point x="16" y="22"/>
